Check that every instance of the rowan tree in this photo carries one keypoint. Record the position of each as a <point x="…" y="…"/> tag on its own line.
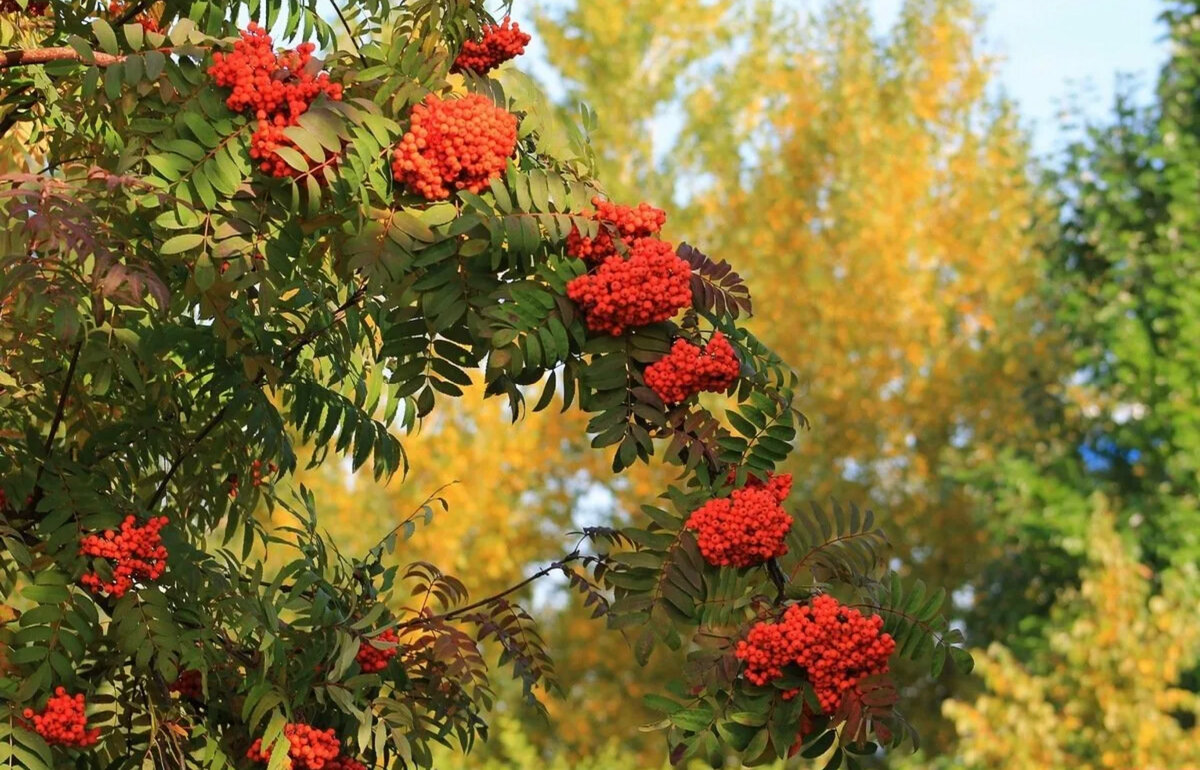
<point x="882" y="204"/>
<point x="238" y="228"/>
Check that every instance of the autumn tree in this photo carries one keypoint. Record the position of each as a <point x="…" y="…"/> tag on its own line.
<point x="1105" y="689"/>
<point x="219" y="252"/>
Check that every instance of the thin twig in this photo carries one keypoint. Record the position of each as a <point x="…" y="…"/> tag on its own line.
<point x="54" y="425"/>
<point x="133" y="10"/>
<point x="452" y="614"/>
<point x="292" y="351"/>
<point x="350" y="34"/>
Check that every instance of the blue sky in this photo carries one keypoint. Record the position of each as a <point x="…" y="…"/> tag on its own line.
<point x="1054" y="48"/>
<point x="1050" y="49"/>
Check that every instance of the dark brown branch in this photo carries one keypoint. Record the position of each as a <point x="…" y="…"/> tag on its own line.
<point x="292" y="351"/>
<point x="777" y="577"/>
<point x="54" y="425"/>
<point x="452" y="614"/>
<point x="131" y="11"/>
<point x="350" y="34"/>
<point x="23" y="57"/>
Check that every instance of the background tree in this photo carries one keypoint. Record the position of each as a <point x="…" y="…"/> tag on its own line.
<point x="1104" y="689"/>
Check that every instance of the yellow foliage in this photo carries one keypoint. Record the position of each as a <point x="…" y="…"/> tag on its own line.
<point x="513" y="491"/>
<point x="1107" y="692"/>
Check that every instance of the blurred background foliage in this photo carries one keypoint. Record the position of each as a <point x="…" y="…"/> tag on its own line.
<point x="1002" y="357"/>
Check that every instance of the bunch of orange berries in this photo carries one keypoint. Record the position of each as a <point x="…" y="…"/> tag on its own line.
<point x="497" y="44"/>
<point x="747" y="528"/>
<point x="628" y="223"/>
<point x="188" y="684"/>
<point x="651" y="285"/>
<point x="372" y="659"/>
<point x="688" y="369"/>
<point x="835" y="645"/>
<point x="275" y="88"/>
<point x="148" y="22"/>
<point x="63" y="721"/>
<point x="136" y="551"/>
<point x="454" y="144"/>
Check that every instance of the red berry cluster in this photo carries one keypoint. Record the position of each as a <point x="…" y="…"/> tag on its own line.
<point x="116" y="8"/>
<point x="138" y="554"/>
<point x="256" y="474"/>
<point x="628" y="222"/>
<point x="371" y="658"/>
<point x="837" y="646"/>
<point x="746" y="528"/>
<point x="454" y="144"/>
<point x="311" y="749"/>
<point x="189" y="685"/>
<point x="276" y="88"/>
<point x="63" y="722"/>
<point x="498" y="44"/>
<point x="687" y="369"/>
<point x="257" y="479"/>
<point x="652" y="285"/>
<point x="34" y="8"/>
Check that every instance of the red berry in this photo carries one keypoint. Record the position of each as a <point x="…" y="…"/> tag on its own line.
<point x="63" y="722"/>
<point x="628" y="223"/>
<point x="116" y="8"/>
<point x="276" y="88"/>
<point x="189" y="685"/>
<point x="311" y="749"/>
<point x="371" y="658"/>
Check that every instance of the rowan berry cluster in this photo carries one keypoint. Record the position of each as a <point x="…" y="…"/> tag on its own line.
<point x="275" y="88"/>
<point x="628" y="223"/>
<point x="652" y="285"/>
<point x="257" y="477"/>
<point x="498" y="44"/>
<point x="747" y="528"/>
<point x="116" y="8"/>
<point x="34" y="8"/>
<point x="63" y="721"/>
<point x="835" y="645"/>
<point x="136" y="551"/>
<point x="371" y="658"/>
<point x="688" y="370"/>
<point x="189" y="685"/>
<point x="310" y="748"/>
<point x="256" y="472"/>
<point x="454" y="144"/>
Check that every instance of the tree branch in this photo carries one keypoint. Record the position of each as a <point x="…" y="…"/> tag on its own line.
<point x="131" y="11"/>
<point x="54" y="425"/>
<point x="350" y="34"/>
<point x="452" y="614"/>
<point x="23" y="57"/>
<point x="292" y="351"/>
